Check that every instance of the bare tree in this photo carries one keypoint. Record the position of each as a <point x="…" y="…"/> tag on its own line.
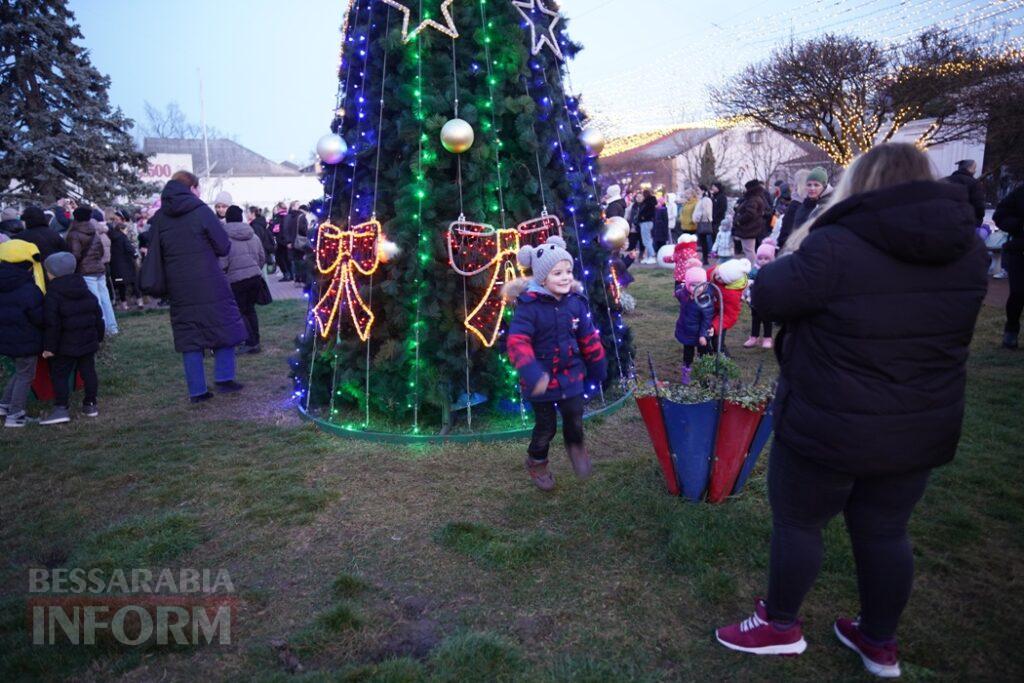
<point x="171" y="122"/>
<point x="846" y="94"/>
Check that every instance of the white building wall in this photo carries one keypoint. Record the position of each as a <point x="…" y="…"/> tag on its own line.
<point x="741" y="154"/>
<point x="263" y="191"/>
<point x="943" y="157"/>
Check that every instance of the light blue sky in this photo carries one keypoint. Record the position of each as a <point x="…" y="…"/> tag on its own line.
<point x="269" y="66"/>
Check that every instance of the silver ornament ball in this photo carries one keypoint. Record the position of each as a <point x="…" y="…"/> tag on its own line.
<point x="457" y="136"/>
<point x="331" y="148"/>
<point x="616" y="233"/>
<point x="593" y="140"/>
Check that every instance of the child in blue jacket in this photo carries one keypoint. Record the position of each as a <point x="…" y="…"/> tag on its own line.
<point x="693" y="326"/>
<point x="554" y="345"/>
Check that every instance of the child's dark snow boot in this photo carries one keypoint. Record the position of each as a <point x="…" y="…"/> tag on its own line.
<point x="580" y="460"/>
<point x="686" y="375"/>
<point x="542" y="478"/>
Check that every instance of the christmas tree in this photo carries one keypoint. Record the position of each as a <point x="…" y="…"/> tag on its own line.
<point x="458" y="144"/>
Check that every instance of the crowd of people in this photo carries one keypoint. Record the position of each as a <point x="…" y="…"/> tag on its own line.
<point x="63" y="266"/>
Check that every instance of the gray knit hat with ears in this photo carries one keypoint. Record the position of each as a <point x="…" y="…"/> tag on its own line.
<point x="543" y="258"/>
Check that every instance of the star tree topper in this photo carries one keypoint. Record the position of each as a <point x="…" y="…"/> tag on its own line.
<point x="447" y="28"/>
<point x="528" y="8"/>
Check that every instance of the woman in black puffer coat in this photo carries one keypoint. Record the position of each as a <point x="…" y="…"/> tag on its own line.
<point x="204" y="314"/>
<point x="878" y="305"/>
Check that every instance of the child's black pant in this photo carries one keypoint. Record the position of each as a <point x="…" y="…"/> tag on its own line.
<point x="62" y="370"/>
<point x="804" y="496"/>
<point x="757" y="323"/>
<point x="246" y="292"/>
<point x="546" y="425"/>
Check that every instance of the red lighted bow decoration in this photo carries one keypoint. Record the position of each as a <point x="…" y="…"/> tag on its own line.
<point x="344" y="254"/>
<point x="474" y="248"/>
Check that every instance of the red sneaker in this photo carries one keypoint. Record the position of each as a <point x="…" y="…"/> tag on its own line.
<point x="881" y="659"/>
<point x="757" y="635"/>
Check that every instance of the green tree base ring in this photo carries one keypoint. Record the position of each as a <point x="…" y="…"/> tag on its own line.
<point x="410" y="439"/>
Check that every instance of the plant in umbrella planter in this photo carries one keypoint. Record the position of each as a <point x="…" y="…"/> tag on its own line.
<point x="707" y="435"/>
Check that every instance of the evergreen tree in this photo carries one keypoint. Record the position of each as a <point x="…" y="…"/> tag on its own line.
<point x="59" y="134"/>
<point x="395" y="95"/>
<point x="708" y="173"/>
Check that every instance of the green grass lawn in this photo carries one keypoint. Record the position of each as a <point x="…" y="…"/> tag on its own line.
<point x="442" y="563"/>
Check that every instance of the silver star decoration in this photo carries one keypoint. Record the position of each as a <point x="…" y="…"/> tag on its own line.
<point x="545" y="35"/>
<point x="447" y="28"/>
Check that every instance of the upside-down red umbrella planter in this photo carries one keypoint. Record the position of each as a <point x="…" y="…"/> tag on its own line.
<point x="708" y="435"/>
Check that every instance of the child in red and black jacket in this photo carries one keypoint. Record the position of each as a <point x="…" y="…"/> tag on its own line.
<point x="731" y="279"/>
<point x="558" y="352"/>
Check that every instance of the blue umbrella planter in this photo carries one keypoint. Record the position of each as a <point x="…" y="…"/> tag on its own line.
<point x="709" y="434"/>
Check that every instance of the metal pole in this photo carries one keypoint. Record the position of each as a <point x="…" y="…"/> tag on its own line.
<point x="202" y="119"/>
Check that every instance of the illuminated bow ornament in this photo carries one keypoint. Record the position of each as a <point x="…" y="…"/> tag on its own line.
<point x="474" y="248"/>
<point x="344" y="255"/>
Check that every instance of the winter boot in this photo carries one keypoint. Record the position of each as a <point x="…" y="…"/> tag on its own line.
<point x="542" y="478"/>
<point x="580" y="460"/>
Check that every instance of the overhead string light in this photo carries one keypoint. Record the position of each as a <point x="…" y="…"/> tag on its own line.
<point x="614" y="323"/>
<point x="327" y="204"/>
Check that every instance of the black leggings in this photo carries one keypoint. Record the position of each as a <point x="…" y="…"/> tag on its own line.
<point x="705" y="245"/>
<point x="546" y="425"/>
<point x="804" y="496"/>
<point x="757" y="323"/>
<point x="62" y="374"/>
<point x="1014" y="264"/>
<point x="246" y="292"/>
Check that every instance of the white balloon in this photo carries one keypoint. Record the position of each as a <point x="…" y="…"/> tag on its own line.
<point x="666" y="256"/>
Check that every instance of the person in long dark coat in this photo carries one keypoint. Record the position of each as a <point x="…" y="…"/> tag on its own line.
<point x="38" y="232"/>
<point x="1009" y="217"/>
<point x="964" y="175"/>
<point x="122" y="266"/>
<point x="204" y="314"/>
<point x="878" y="305"/>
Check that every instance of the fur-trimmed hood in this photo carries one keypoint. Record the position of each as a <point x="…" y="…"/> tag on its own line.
<point x="513" y="289"/>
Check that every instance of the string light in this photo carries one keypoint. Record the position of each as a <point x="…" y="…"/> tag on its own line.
<point x="340" y="254"/>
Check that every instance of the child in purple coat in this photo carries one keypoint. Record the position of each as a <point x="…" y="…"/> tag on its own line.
<point x="694" y="322"/>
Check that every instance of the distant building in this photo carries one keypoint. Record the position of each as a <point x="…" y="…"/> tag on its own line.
<point x="671" y="158"/>
<point x="250" y="178"/>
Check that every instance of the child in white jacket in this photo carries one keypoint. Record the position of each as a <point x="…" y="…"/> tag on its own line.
<point x="723" y="248"/>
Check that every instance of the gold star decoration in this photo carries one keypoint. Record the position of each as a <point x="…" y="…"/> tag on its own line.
<point x="447" y="28"/>
<point x="528" y="9"/>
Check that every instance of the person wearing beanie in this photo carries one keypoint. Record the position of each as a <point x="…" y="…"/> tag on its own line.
<point x="221" y="203"/>
<point x="10" y="224"/>
<point x="615" y="206"/>
<point x="693" y="326"/>
<point x="765" y="255"/>
<point x="558" y="352"/>
<point x="38" y="232"/>
<point x="731" y="279"/>
<point x="88" y="242"/>
<point x="244" y="267"/>
<point x="21" y="326"/>
<point x="685" y="249"/>
<point x="73" y="330"/>
<point x="816" y="191"/>
<point x="964" y="175"/>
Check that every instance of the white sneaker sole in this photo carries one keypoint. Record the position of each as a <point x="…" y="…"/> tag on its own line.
<point x="796" y="648"/>
<point x="61" y="421"/>
<point x="873" y="667"/>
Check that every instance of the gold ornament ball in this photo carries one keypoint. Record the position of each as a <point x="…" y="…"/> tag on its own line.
<point x="388" y="251"/>
<point x="593" y="140"/>
<point x="457" y="136"/>
<point x="616" y="233"/>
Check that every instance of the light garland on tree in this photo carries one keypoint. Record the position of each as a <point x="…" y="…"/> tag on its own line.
<point x="447" y="28"/>
<point x="342" y="254"/>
